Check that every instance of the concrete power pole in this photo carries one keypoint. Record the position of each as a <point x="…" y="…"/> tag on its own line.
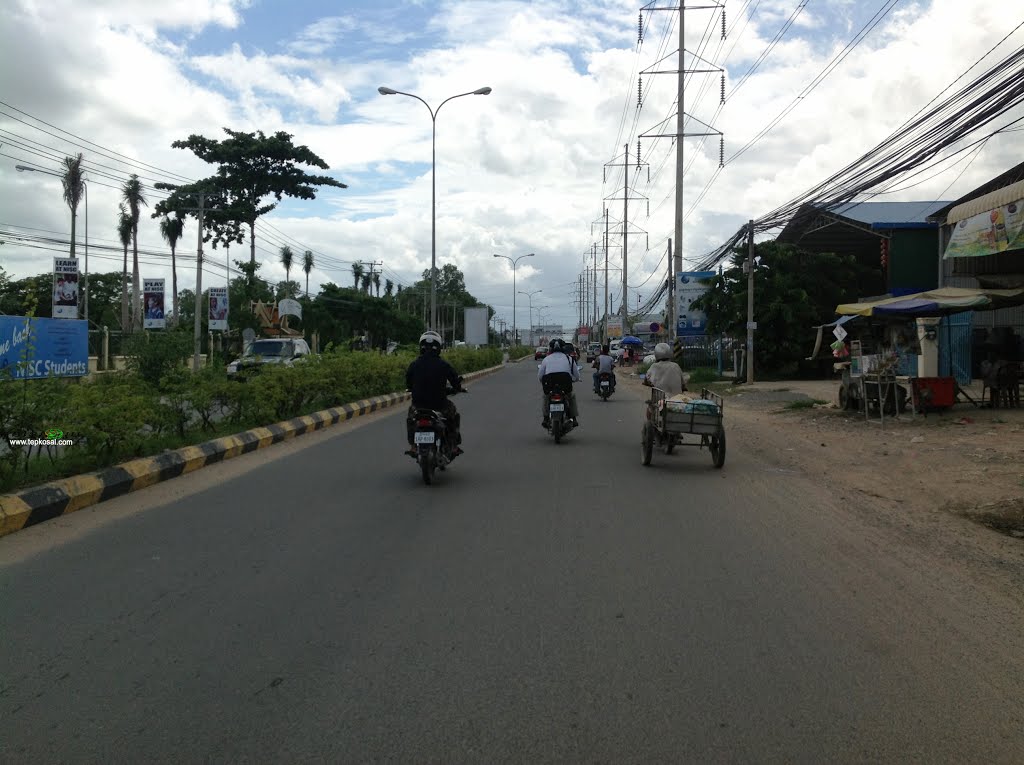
<point x="751" y="326"/>
<point x="624" y="303"/>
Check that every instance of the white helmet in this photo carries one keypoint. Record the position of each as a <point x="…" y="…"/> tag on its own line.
<point x="430" y="340"/>
<point x="662" y="352"/>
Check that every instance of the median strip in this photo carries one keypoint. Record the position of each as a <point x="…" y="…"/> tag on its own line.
<point x="66" y="495"/>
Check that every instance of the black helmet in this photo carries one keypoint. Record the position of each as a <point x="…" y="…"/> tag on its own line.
<point x="556" y="345"/>
<point x="430" y="341"/>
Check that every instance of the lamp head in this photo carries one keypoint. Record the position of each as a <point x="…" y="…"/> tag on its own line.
<point x="386" y="91"/>
<point x="482" y="92"/>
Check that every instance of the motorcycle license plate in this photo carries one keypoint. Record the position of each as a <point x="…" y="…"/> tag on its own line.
<point x="556" y="408"/>
<point x="606" y="384"/>
<point x="424" y="438"/>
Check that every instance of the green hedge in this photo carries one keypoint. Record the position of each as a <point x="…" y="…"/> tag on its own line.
<point x="159" y="404"/>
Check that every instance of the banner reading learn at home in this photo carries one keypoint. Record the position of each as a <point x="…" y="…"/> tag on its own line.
<point x="218" y="308"/>
<point x="691" y="285"/>
<point x="43" y="347"/>
<point x="65" y="288"/>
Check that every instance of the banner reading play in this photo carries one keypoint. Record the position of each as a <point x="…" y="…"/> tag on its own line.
<point x="218" y="308"/>
<point x="691" y="285"/>
<point x="43" y="347"/>
<point x="65" y="288"/>
<point x="153" y="298"/>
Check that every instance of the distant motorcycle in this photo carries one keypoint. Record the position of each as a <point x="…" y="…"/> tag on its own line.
<point x="605" y="387"/>
<point x="434" y="450"/>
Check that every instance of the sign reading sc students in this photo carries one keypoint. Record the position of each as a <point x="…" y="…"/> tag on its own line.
<point x="43" y="347"/>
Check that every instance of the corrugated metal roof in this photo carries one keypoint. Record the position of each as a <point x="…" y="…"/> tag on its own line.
<point x="893" y="213"/>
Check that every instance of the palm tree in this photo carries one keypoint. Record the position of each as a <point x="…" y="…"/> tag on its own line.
<point x="389" y="286"/>
<point x="376" y="282"/>
<point x="131" y="193"/>
<point x="171" y="229"/>
<point x="73" y="180"/>
<point x="124" y="232"/>
<point x="357" y="272"/>
<point x="287" y="257"/>
<point x="307" y="266"/>
<point x="366" y="283"/>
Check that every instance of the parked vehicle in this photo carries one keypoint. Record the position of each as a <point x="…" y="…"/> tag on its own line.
<point x="267" y="351"/>
<point x="593" y="351"/>
<point x="540" y="353"/>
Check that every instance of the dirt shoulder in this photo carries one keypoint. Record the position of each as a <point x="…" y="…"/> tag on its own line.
<point x="951" y="481"/>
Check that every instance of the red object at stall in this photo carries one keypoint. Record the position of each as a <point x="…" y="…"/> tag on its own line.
<point x="933" y="392"/>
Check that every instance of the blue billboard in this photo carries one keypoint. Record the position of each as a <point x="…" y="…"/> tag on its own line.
<point x="43" y="347"/>
<point x="691" y="285"/>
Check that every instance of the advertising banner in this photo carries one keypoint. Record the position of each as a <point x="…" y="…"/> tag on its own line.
<point x="614" y="326"/>
<point x="988" y="233"/>
<point x="218" y="318"/>
<point x="43" y="347"/>
<point x="65" y="288"/>
<point x="289" y="307"/>
<point x="691" y="285"/>
<point x="476" y="325"/>
<point x="153" y="299"/>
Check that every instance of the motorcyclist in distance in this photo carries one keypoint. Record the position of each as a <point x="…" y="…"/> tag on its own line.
<point x="558" y="367"/>
<point x="604" y="363"/>
<point x="427" y="378"/>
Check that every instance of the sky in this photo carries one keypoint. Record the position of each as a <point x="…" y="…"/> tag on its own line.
<point x="529" y="168"/>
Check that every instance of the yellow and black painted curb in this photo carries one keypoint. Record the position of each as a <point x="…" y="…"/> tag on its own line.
<point x="50" y="500"/>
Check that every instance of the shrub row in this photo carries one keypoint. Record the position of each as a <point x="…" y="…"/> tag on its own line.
<point x="157" y="405"/>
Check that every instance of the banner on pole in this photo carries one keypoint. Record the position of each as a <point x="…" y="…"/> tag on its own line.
<point x="218" y="318"/>
<point x="153" y="298"/>
<point x="65" y="288"/>
<point x="691" y="285"/>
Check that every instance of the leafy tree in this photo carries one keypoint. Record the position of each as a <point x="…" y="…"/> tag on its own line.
<point x="250" y="168"/>
<point x="73" y="181"/>
<point x="124" y="233"/>
<point x="307" y="266"/>
<point x="132" y="195"/>
<point x="793" y="291"/>
<point x="171" y="228"/>
<point x="287" y="258"/>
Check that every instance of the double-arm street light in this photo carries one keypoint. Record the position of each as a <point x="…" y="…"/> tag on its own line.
<point x="530" y="296"/>
<point x="513" y="262"/>
<point x="85" y="275"/>
<point x="433" y="185"/>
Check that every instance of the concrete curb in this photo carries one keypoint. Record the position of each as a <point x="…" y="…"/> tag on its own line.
<point x="66" y="495"/>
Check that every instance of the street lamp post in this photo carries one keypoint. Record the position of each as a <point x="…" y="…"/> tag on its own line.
<point x="513" y="262"/>
<point x="530" y="296"/>
<point x="433" y="184"/>
<point x="85" y="275"/>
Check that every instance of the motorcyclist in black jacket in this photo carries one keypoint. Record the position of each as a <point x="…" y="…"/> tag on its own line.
<point x="427" y="377"/>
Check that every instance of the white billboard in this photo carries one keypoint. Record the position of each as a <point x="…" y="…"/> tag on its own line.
<point x="476" y="321"/>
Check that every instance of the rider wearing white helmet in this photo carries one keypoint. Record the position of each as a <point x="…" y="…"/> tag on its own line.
<point x="665" y="373"/>
<point x="427" y="378"/>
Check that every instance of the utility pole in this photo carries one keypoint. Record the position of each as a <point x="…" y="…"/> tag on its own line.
<point x="623" y="304"/>
<point x="677" y="260"/>
<point x="198" y="337"/>
<point x="751" y="326"/>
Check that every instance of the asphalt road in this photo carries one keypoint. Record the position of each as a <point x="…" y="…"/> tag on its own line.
<point x="315" y="602"/>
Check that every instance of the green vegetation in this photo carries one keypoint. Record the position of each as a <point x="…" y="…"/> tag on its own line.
<point x="160" y="405"/>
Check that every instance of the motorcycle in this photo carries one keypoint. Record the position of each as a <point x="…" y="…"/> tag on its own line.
<point x="604" y="388"/>
<point x="434" y="450"/>
<point x="556" y="401"/>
